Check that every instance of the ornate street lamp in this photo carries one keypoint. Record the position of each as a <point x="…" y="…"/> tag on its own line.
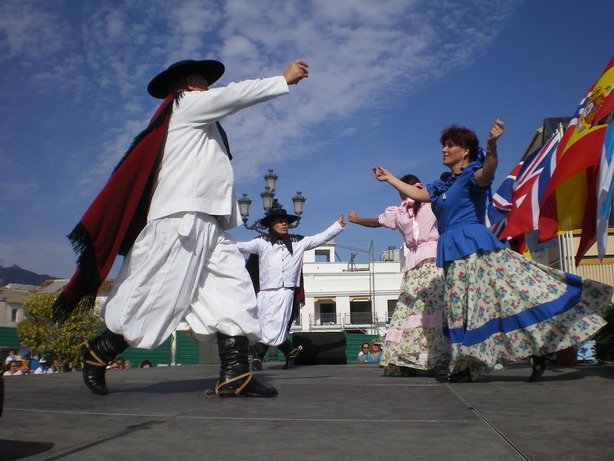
<point x="269" y="202"/>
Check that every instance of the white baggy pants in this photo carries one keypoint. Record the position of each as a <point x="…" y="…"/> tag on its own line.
<point x="274" y="311"/>
<point x="182" y="267"/>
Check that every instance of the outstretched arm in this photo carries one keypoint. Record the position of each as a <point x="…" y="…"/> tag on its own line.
<point x="485" y="175"/>
<point x="413" y="192"/>
<point x="313" y="241"/>
<point x="367" y="222"/>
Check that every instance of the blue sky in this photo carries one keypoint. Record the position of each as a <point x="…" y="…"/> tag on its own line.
<point x="385" y="78"/>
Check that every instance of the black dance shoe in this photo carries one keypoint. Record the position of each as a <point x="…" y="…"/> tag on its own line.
<point x="456" y="377"/>
<point x="538" y="364"/>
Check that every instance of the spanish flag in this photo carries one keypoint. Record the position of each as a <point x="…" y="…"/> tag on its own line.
<point x="570" y="200"/>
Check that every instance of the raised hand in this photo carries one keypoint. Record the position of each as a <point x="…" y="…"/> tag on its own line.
<point x="296" y="71"/>
<point x="495" y="132"/>
<point x="382" y="174"/>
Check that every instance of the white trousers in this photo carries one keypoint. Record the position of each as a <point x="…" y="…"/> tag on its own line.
<point x="182" y="267"/>
<point x="274" y="311"/>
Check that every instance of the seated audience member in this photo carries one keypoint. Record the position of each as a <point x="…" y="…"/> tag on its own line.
<point x="13" y="370"/>
<point x="145" y="364"/>
<point x="34" y="363"/>
<point x="65" y="367"/>
<point x="376" y="352"/>
<point x="364" y="351"/>
<point x="9" y="358"/>
<point x="22" y="365"/>
<point x="44" y="368"/>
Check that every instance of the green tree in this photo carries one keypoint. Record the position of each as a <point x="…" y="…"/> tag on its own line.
<point x="57" y="341"/>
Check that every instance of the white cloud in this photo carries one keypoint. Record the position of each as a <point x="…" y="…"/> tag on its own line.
<point x="29" y="32"/>
<point x="363" y="55"/>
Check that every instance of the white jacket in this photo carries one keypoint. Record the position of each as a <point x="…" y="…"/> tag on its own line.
<point x="195" y="172"/>
<point x="277" y="267"/>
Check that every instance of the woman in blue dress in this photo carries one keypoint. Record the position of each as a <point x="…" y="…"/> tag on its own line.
<point x="500" y="306"/>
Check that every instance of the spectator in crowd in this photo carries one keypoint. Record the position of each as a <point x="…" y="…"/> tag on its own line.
<point x="145" y="364"/>
<point x="22" y="365"/>
<point x="13" y="369"/>
<point x="64" y="367"/>
<point x="44" y="368"/>
<point x="34" y="363"/>
<point x="9" y="358"/>
<point x="364" y="351"/>
<point x="376" y="352"/>
<point x="24" y="351"/>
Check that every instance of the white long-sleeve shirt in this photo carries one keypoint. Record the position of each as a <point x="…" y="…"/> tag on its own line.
<point x="195" y="173"/>
<point x="277" y="267"/>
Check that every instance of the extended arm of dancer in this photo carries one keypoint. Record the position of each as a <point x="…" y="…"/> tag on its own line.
<point x="413" y="192"/>
<point x="367" y="222"/>
<point x="485" y="175"/>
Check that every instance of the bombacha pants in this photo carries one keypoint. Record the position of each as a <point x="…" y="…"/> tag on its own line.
<point x="274" y="311"/>
<point x="182" y="267"/>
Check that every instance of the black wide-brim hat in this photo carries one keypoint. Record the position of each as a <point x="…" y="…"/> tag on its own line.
<point x="211" y="70"/>
<point x="275" y="214"/>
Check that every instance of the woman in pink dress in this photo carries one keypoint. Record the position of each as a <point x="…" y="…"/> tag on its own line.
<point x="415" y="343"/>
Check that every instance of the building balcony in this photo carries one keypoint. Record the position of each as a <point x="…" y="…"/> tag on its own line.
<point x="325" y="321"/>
<point x="339" y="322"/>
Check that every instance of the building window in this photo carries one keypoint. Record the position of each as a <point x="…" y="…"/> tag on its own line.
<point x="360" y="313"/>
<point x="392" y="304"/>
<point x="328" y="314"/>
<point x="322" y="256"/>
<point x="14" y="313"/>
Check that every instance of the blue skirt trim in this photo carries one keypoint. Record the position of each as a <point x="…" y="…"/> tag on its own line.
<point x="527" y="318"/>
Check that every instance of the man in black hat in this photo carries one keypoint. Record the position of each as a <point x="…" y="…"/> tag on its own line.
<point x="280" y="263"/>
<point x="182" y="266"/>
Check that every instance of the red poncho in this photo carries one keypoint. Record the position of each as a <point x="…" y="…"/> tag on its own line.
<point x="116" y="216"/>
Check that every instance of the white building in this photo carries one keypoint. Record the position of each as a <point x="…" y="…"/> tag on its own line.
<point x="341" y="296"/>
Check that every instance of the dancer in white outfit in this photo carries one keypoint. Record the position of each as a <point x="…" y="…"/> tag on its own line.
<point x="280" y="257"/>
<point x="183" y="265"/>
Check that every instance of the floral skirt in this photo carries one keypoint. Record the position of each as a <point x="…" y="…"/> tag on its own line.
<point x="502" y="307"/>
<point x="415" y="337"/>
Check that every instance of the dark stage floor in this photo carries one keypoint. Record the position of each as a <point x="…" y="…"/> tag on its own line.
<point x="323" y="412"/>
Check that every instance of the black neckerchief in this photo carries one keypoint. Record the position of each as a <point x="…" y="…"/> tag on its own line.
<point x="285" y="238"/>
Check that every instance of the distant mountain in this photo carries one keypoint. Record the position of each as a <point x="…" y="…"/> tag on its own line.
<point x="16" y="274"/>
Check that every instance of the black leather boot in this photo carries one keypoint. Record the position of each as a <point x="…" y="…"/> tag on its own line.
<point x="95" y="354"/>
<point x="538" y="365"/>
<point x="235" y="377"/>
<point x="258" y="351"/>
<point x="289" y="352"/>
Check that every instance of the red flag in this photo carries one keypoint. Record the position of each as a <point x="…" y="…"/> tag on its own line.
<point x="521" y="193"/>
<point x="570" y="199"/>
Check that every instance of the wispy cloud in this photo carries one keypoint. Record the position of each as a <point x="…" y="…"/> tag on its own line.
<point x="363" y="55"/>
<point x="18" y="22"/>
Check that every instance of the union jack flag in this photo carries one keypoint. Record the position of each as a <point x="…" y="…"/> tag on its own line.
<point x="515" y="207"/>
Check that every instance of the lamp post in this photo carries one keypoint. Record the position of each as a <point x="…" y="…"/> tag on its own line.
<point x="269" y="203"/>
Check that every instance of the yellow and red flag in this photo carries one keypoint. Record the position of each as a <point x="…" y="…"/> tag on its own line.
<point x="570" y="201"/>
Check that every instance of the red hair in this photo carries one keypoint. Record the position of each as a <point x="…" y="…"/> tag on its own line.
<point x="463" y="137"/>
